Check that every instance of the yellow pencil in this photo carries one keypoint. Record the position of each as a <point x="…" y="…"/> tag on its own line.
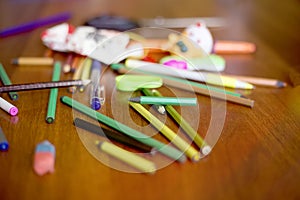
<point x="77" y="74"/>
<point x="33" y="61"/>
<point x="85" y="74"/>
<point x="68" y="63"/>
<point x="130" y="158"/>
<point x="190" y="152"/>
<point x="205" y="148"/>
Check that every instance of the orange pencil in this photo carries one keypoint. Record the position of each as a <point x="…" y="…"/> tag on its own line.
<point x="77" y="73"/>
<point x="233" y="47"/>
<point x="48" y="53"/>
<point x="75" y="63"/>
<point x="68" y="63"/>
<point x="259" y="81"/>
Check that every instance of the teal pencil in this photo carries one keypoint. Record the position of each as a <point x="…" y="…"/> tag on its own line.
<point x="53" y="94"/>
<point x="6" y="81"/>
<point x="161" y="147"/>
<point x="178" y="101"/>
<point x="160" y="108"/>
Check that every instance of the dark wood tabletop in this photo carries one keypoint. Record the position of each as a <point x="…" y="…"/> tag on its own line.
<point x="256" y="151"/>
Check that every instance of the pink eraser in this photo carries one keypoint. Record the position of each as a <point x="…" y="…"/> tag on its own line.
<point x="43" y="163"/>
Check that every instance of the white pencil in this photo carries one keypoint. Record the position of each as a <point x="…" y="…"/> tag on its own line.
<point x="209" y="78"/>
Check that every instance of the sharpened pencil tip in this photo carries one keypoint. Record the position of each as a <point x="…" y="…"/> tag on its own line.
<point x="161" y="110"/>
<point x="14" y="61"/>
<point x="280" y="84"/>
<point x="135" y="99"/>
<point x="86" y="82"/>
<point x="97" y="142"/>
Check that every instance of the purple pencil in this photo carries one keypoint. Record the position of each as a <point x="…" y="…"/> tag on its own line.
<point x="35" y="24"/>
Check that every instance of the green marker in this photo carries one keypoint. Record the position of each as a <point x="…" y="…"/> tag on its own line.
<point x="161" y="147"/>
<point x="165" y="100"/>
<point x="5" y="80"/>
<point x="53" y="94"/>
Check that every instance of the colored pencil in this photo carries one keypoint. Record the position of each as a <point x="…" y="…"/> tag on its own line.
<point x="6" y="81"/>
<point x="53" y="94"/>
<point x="233" y="47"/>
<point x="68" y="63"/>
<point x="115" y="136"/>
<point x="162" y="22"/>
<point x="205" y="148"/>
<point x="128" y="157"/>
<point x="178" y="101"/>
<point x="194" y="87"/>
<point x="33" y="61"/>
<point x="86" y="70"/>
<point x="77" y="74"/>
<point x="43" y="85"/>
<point x="259" y="81"/>
<point x="28" y="26"/>
<point x="208" y="78"/>
<point x="160" y="108"/>
<point x="190" y="152"/>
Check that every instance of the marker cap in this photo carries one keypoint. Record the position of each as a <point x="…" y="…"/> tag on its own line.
<point x="4" y="146"/>
<point x="13" y="111"/>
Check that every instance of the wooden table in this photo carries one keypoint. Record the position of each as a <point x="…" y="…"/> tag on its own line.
<point x="255" y="157"/>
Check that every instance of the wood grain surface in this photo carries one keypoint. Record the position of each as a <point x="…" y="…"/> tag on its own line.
<point x="257" y="150"/>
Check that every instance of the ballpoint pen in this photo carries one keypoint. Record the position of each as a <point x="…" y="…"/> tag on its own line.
<point x="96" y="90"/>
<point x="3" y="141"/>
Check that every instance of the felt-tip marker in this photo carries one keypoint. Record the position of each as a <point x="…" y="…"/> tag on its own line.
<point x="8" y="107"/>
<point x="3" y="141"/>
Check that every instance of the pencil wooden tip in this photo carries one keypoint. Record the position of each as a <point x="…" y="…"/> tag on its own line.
<point x="196" y="157"/>
<point x="134" y="99"/>
<point x="97" y="142"/>
<point x="86" y="82"/>
<point x="280" y="84"/>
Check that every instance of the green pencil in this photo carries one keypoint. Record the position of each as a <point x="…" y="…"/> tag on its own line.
<point x="53" y="94"/>
<point x="161" y="147"/>
<point x="6" y="81"/>
<point x="178" y="101"/>
<point x="205" y="148"/>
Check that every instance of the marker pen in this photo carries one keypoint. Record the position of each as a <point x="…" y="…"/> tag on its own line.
<point x="8" y="107"/>
<point x="3" y="141"/>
